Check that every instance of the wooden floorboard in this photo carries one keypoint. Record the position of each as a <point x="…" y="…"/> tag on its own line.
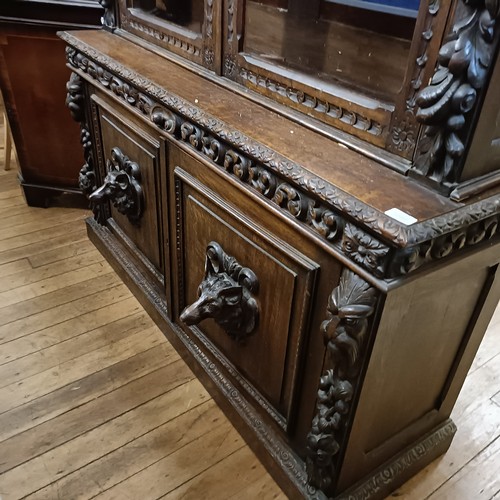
<point x="95" y="403"/>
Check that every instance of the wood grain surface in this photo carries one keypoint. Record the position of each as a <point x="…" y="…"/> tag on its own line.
<point x="95" y="403"/>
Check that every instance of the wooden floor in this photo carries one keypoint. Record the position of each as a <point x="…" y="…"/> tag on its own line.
<point x="94" y="402"/>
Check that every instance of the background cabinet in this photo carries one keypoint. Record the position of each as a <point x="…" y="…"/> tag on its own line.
<point x="33" y="82"/>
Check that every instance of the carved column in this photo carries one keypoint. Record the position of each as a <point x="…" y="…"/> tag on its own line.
<point x="350" y="306"/>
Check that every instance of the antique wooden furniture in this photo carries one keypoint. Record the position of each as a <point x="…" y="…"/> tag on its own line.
<point x="32" y="80"/>
<point x="316" y="232"/>
<point x="7" y="141"/>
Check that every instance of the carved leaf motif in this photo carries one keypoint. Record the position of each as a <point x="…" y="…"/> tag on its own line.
<point x="364" y="249"/>
<point x="354" y="294"/>
<point x="464" y="62"/>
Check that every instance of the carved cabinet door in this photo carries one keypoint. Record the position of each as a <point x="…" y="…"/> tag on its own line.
<point x="244" y="292"/>
<point x="129" y="164"/>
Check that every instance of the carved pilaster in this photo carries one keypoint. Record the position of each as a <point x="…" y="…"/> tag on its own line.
<point x="344" y="331"/>
<point x="75" y="100"/>
<point x="404" y="127"/>
<point x="447" y="106"/>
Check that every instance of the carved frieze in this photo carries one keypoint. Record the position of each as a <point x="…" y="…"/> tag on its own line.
<point x="345" y="332"/>
<point x="426" y="36"/>
<point x="309" y="102"/>
<point x="404" y="127"/>
<point x="446" y="106"/>
<point x="230" y="66"/>
<point x="264" y="170"/>
<point x="226" y="294"/>
<point x="409" y="259"/>
<point x="391" y="473"/>
<point x="168" y="38"/>
<point x="209" y="18"/>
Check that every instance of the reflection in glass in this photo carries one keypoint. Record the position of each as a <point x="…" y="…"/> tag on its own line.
<point x="361" y="43"/>
<point x="186" y="13"/>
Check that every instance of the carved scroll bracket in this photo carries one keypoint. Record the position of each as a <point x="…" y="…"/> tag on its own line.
<point x="108" y="20"/>
<point x="226" y="295"/>
<point x="447" y="105"/>
<point x="344" y="331"/>
<point x="75" y="100"/>
<point x="122" y="187"/>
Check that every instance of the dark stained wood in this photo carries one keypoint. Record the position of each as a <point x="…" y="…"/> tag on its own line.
<point x="309" y="10"/>
<point x="262" y="250"/>
<point x="484" y="153"/>
<point x="142" y="223"/>
<point x="414" y="316"/>
<point x="267" y="361"/>
<point x="26" y="82"/>
<point x="381" y="22"/>
<point x="78" y="13"/>
<point x="316" y="153"/>
<point x="33" y="83"/>
<point x="69" y="442"/>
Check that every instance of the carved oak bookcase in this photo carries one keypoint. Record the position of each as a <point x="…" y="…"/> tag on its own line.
<point x="305" y="197"/>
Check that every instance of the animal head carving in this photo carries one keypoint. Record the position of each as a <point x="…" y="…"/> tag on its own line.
<point x="222" y="297"/>
<point x="121" y="187"/>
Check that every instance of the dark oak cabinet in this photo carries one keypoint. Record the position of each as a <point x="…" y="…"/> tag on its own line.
<point x="304" y="197"/>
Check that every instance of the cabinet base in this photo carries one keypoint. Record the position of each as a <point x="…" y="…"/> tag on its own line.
<point x="287" y="468"/>
<point x="403" y="466"/>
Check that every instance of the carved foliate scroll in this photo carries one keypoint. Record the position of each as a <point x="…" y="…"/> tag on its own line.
<point x="225" y="295"/>
<point x="344" y="331"/>
<point x="122" y="187"/>
<point x="446" y="106"/>
<point x="75" y="100"/>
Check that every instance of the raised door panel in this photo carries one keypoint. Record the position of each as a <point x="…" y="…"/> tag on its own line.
<point x="265" y="357"/>
<point x="125" y="145"/>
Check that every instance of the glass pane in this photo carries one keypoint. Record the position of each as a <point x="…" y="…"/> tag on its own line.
<point x="186" y="13"/>
<point x="363" y="44"/>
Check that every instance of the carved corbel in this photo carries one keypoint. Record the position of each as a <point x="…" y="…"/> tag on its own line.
<point x="225" y="295"/>
<point x="446" y="106"/>
<point x="75" y="100"/>
<point x="121" y="187"/>
<point x="345" y="330"/>
<point x="108" y="20"/>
